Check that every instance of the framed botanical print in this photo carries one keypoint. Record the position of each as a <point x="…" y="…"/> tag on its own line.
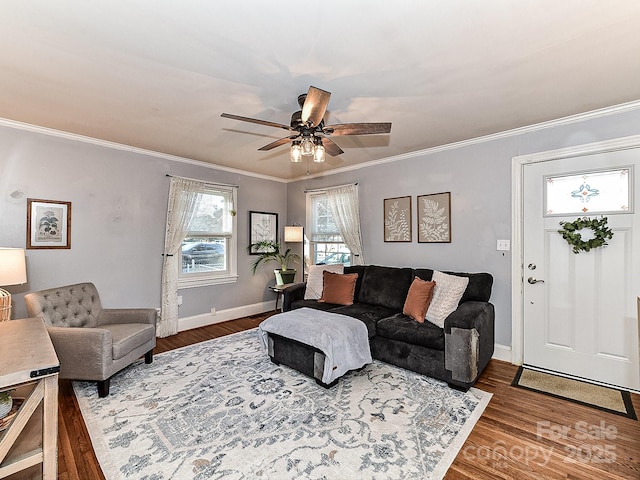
<point x="397" y="219"/>
<point x="434" y="218"/>
<point x="263" y="227"/>
<point x="48" y="224"/>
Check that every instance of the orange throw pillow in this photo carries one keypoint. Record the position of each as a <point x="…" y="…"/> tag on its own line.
<point x="338" y="288"/>
<point x="418" y="299"/>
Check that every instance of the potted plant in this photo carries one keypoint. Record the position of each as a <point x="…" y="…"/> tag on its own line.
<point x="5" y="404"/>
<point x="269" y="251"/>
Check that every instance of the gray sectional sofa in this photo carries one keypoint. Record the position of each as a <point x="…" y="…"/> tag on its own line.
<point x="457" y="353"/>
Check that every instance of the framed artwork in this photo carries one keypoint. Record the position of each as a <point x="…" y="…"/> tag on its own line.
<point x="263" y="227"/>
<point x="434" y="218"/>
<point x="48" y="224"/>
<point x="397" y="219"/>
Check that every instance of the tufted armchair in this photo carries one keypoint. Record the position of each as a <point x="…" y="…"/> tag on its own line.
<point x="93" y="343"/>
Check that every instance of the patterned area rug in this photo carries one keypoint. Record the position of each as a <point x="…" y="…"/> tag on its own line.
<point x="221" y="409"/>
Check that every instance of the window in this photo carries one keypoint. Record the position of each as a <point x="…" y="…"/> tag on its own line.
<point x="326" y="244"/>
<point x="209" y="248"/>
<point x="589" y="193"/>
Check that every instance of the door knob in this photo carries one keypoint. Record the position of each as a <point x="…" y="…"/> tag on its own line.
<point x="533" y="280"/>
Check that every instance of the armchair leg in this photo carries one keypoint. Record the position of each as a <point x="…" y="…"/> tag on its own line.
<point x="148" y="357"/>
<point x="103" y="388"/>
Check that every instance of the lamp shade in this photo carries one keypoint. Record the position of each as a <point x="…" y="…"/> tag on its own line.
<point x="13" y="270"/>
<point x="293" y="234"/>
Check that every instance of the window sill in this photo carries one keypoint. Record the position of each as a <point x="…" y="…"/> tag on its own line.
<point x="205" y="282"/>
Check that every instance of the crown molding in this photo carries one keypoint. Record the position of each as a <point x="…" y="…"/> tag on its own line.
<point x="580" y="117"/>
<point x="128" y="148"/>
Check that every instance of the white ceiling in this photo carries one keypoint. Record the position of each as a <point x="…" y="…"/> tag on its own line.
<point x="157" y="74"/>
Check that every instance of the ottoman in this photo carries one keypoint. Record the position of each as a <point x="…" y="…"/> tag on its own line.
<point x="320" y="344"/>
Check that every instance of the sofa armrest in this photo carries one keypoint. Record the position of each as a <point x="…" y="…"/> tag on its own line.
<point x="478" y="315"/>
<point x="292" y="294"/>
<point x="110" y="316"/>
<point x="83" y="353"/>
<point x="469" y="340"/>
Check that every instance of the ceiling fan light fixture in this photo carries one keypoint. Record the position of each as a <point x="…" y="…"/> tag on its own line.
<point x="307" y="146"/>
<point x="318" y="153"/>
<point x="296" y="152"/>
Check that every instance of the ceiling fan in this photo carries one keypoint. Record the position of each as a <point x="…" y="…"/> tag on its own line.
<point x="310" y="134"/>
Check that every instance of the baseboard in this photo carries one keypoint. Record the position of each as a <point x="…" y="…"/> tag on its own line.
<point x="205" y="319"/>
<point x="502" y="352"/>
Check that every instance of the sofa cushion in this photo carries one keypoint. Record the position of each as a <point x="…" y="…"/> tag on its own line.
<point x="313" y="290"/>
<point x="338" y="288"/>
<point x="359" y="269"/>
<point x="369" y="314"/>
<point x="478" y="290"/>
<point x="128" y="336"/>
<point x="313" y="304"/>
<point x="418" y="299"/>
<point x="446" y="296"/>
<point x="404" y="329"/>
<point x="385" y="286"/>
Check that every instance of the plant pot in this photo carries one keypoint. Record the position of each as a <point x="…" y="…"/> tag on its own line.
<point x="284" y="276"/>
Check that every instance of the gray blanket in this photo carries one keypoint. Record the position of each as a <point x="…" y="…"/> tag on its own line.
<point x="343" y="340"/>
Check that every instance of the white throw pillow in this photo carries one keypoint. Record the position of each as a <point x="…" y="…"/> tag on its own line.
<point x="446" y="296"/>
<point x="313" y="291"/>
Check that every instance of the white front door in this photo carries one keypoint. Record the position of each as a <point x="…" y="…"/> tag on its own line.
<point x="580" y="315"/>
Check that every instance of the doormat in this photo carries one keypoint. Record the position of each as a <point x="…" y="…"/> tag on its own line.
<point x="608" y="399"/>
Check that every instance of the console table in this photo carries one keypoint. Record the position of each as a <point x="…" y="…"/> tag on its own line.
<point x="29" y="367"/>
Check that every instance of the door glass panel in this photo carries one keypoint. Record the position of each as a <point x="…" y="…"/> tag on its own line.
<point x="588" y="193"/>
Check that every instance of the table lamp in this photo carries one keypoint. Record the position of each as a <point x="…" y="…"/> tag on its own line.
<point x="13" y="271"/>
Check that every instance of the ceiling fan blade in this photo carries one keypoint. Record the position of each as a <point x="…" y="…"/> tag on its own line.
<point x="330" y="147"/>
<point x="357" y="128"/>
<point x="277" y="143"/>
<point x="255" y="120"/>
<point x="315" y="106"/>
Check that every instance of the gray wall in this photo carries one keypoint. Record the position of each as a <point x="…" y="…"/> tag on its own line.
<point x="479" y="179"/>
<point x="119" y="203"/>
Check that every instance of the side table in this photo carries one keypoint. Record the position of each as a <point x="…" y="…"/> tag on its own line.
<point x="279" y="289"/>
<point x="29" y="368"/>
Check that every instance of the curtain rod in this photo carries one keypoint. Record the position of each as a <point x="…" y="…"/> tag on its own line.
<point x="204" y="181"/>
<point x="329" y="188"/>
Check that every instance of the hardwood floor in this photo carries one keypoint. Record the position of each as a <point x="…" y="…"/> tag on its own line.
<point x="521" y="434"/>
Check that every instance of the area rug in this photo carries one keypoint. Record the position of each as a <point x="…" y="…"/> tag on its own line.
<point x="221" y="409"/>
<point x="603" y="398"/>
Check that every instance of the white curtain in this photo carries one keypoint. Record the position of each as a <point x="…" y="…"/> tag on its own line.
<point x="184" y="198"/>
<point x="345" y="210"/>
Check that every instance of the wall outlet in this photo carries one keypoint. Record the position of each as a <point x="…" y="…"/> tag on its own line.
<point x="213" y="311"/>
<point x="179" y="300"/>
<point x="503" y="245"/>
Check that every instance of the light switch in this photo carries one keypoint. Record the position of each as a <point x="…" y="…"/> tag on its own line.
<point x="504" y="245"/>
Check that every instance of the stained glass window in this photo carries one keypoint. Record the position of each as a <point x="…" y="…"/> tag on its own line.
<point x="588" y="193"/>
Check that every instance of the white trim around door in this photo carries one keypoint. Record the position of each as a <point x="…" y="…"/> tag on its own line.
<point x="517" y="201"/>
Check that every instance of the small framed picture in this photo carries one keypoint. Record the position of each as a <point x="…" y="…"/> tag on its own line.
<point x="397" y="219"/>
<point x="434" y="218"/>
<point x="48" y="224"/>
<point x="263" y="227"/>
